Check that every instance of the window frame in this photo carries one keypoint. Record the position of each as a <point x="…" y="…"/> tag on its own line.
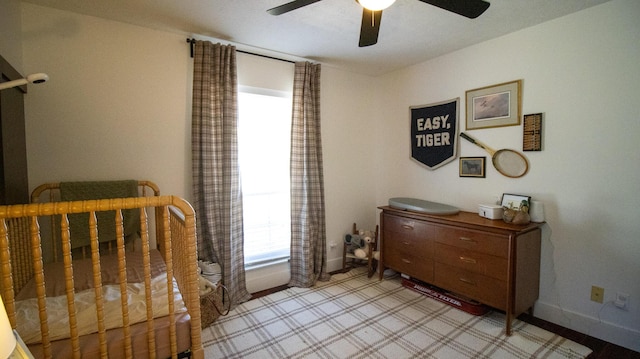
<point x="275" y="256"/>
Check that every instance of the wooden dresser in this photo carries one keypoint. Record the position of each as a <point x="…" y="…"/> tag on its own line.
<point x="490" y="261"/>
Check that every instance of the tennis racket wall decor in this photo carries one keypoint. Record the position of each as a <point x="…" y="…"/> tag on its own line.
<point x="508" y="162"/>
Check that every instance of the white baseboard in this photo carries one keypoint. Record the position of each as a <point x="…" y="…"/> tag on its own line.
<point x="275" y="275"/>
<point x="624" y="337"/>
<point x="267" y="277"/>
<point x="334" y="264"/>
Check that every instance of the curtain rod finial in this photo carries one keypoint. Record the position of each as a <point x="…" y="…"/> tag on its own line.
<point x="191" y="42"/>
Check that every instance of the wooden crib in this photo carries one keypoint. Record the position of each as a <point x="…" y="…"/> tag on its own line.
<point x="125" y="298"/>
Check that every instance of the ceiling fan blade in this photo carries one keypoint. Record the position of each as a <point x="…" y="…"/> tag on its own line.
<point x="468" y="8"/>
<point x="370" y="27"/>
<point x="296" y="4"/>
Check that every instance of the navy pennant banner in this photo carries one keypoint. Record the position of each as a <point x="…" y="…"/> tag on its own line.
<point x="434" y="130"/>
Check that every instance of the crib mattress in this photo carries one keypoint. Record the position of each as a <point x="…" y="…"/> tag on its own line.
<point x="83" y="282"/>
<point x="89" y="344"/>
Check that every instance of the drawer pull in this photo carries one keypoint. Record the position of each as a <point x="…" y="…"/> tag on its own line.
<point x="406" y="243"/>
<point x="469" y="240"/>
<point x="406" y="226"/>
<point x="406" y="261"/>
<point x="468" y="260"/>
<point x="468" y="281"/>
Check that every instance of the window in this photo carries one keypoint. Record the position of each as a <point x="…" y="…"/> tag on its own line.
<point x="264" y="137"/>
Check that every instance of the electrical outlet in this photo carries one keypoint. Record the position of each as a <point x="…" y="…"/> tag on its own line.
<point x="597" y="294"/>
<point x="622" y="301"/>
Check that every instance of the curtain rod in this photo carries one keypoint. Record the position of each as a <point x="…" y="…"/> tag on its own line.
<point x="192" y="42"/>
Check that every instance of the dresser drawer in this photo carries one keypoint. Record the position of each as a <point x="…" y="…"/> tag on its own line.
<point x="476" y="286"/>
<point x="473" y="261"/>
<point x="482" y="242"/>
<point x="407" y="227"/>
<point x="409" y="244"/>
<point x="409" y="263"/>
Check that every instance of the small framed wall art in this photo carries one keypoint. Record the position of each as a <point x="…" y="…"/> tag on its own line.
<point x="532" y="132"/>
<point x="472" y="167"/>
<point x="494" y="106"/>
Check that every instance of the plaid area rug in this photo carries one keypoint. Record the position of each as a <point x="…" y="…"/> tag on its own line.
<point x="353" y="316"/>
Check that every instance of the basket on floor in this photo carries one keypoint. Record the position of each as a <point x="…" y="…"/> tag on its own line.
<point x="214" y="304"/>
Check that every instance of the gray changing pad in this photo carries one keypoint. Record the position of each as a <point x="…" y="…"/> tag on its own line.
<point x="419" y="205"/>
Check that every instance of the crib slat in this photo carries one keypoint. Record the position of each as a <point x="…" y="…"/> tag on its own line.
<point x="8" y="293"/>
<point x="38" y="271"/>
<point x="97" y="280"/>
<point x="144" y="234"/>
<point x="122" y="271"/>
<point x="20" y="252"/>
<point x="169" y="262"/>
<point x="69" y="285"/>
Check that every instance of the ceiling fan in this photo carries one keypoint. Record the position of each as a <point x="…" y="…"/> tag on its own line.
<point x="372" y="13"/>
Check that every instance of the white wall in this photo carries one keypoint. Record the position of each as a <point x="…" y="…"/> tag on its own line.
<point x="348" y="146"/>
<point x="118" y="106"/>
<point x="10" y="28"/>
<point x="582" y="72"/>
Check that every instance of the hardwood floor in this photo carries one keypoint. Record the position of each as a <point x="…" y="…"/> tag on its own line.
<point x="601" y="349"/>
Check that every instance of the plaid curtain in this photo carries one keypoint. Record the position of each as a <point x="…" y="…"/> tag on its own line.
<point x="216" y="179"/>
<point x="308" y="237"/>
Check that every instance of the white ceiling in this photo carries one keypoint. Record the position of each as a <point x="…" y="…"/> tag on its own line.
<point x="328" y="31"/>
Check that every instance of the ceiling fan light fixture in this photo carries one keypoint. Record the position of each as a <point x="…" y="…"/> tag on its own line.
<point x="376" y="5"/>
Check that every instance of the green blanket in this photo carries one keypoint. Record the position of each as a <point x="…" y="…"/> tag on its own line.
<point x="79" y="223"/>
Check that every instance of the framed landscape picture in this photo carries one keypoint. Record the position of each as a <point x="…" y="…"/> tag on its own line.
<point x="494" y="106"/>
